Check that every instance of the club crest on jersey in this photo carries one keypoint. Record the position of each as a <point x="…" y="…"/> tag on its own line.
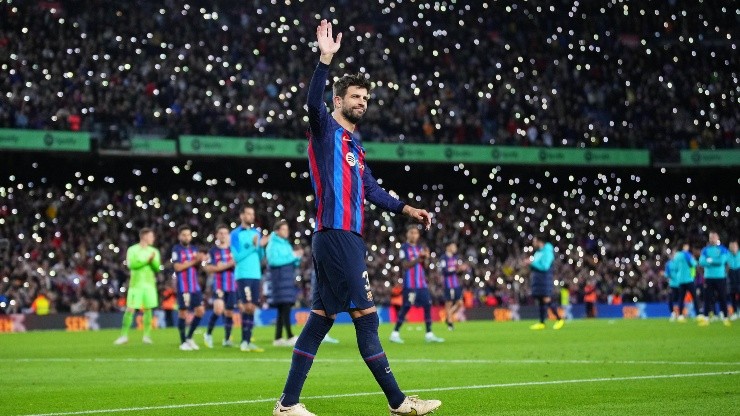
<point x="351" y="159"/>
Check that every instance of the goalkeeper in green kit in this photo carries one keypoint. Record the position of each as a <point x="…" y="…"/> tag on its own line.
<point x="143" y="261"/>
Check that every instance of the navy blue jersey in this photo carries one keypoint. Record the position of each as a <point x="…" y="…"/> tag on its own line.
<point x="340" y="176"/>
<point x="187" y="280"/>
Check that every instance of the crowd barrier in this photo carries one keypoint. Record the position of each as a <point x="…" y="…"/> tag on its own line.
<point x="92" y="321"/>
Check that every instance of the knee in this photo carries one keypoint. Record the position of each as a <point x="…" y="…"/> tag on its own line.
<point x="248" y="308"/>
<point x="200" y="311"/>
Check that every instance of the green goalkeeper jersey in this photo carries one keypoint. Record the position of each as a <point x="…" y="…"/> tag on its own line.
<point x="142" y="270"/>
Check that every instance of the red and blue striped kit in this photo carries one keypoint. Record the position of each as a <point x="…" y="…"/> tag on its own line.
<point x="415" y="276"/>
<point x="187" y="280"/>
<point x="223" y="281"/>
<point x="340" y="176"/>
<point x="448" y="267"/>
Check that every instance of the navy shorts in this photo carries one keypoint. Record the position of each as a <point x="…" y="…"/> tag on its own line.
<point x="453" y="294"/>
<point x="248" y="290"/>
<point x="417" y="297"/>
<point x="342" y="281"/>
<point x="229" y="298"/>
<point x="189" y="301"/>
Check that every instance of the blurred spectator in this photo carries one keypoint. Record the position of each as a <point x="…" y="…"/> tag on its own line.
<point x="656" y="75"/>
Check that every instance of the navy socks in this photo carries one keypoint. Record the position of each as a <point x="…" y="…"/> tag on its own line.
<point x="181" y="328"/>
<point x="372" y="352"/>
<point x="304" y="352"/>
<point x="193" y="325"/>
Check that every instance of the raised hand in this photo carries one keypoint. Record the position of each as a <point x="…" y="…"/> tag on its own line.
<point x="327" y="44"/>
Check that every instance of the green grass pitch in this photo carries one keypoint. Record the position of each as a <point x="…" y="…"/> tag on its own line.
<point x="597" y="367"/>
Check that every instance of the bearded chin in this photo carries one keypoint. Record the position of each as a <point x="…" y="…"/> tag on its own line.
<point x="350" y="116"/>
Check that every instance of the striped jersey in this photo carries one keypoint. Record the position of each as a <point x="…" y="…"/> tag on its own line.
<point x="415" y="276"/>
<point x="187" y="280"/>
<point x="340" y="176"/>
<point x="224" y="280"/>
<point x="448" y="266"/>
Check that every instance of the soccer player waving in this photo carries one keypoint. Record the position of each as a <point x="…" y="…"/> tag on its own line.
<point x="342" y="181"/>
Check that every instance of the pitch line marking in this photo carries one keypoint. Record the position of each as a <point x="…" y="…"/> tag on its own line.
<point x="351" y="360"/>
<point x="375" y="393"/>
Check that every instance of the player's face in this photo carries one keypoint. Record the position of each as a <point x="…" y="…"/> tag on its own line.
<point x="283" y="231"/>
<point x="354" y="103"/>
<point x="148" y="238"/>
<point x="537" y="243"/>
<point x="733" y="247"/>
<point x="713" y="238"/>
<point x="186" y="236"/>
<point x="452" y="248"/>
<point x="222" y="235"/>
<point x="412" y="236"/>
<point x="685" y="247"/>
<point x="247" y="216"/>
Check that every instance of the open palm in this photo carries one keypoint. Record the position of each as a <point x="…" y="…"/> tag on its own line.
<point x="327" y="44"/>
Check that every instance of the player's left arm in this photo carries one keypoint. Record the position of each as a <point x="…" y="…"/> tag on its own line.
<point x="378" y="196"/>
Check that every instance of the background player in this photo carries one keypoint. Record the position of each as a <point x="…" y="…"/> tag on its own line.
<point x="341" y="182"/>
<point x="451" y="268"/>
<point x="248" y="250"/>
<point x="414" y="261"/>
<point x="680" y="271"/>
<point x="221" y="267"/>
<point x="713" y="259"/>
<point x="143" y="261"/>
<point x="185" y="260"/>
<point x="540" y="265"/>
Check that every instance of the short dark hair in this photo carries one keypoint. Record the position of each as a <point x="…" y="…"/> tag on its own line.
<point x="350" y="80"/>
<point x="245" y="207"/>
<point x="278" y="224"/>
<point x="183" y="228"/>
<point x="144" y="231"/>
<point x="541" y="237"/>
<point x="222" y="225"/>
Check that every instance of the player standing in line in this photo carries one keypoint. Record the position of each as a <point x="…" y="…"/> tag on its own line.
<point x="414" y="260"/>
<point x="248" y="250"/>
<point x="714" y="258"/>
<point x="680" y="271"/>
<point x="185" y="260"/>
<point x="143" y="260"/>
<point x="541" y="265"/>
<point x="221" y="267"/>
<point x="341" y="182"/>
<point x="451" y="268"/>
<point x="734" y="277"/>
<point x="670" y="274"/>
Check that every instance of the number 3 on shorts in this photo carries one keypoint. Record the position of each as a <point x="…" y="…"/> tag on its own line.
<point x="412" y="297"/>
<point x="248" y="294"/>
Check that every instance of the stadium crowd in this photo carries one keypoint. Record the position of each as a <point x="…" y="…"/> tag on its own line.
<point x="68" y="240"/>
<point x="656" y="75"/>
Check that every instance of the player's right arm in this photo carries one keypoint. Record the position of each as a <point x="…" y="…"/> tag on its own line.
<point x="181" y="264"/>
<point x="240" y="251"/>
<point x="407" y="263"/>
<point x="134" y="260"/>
